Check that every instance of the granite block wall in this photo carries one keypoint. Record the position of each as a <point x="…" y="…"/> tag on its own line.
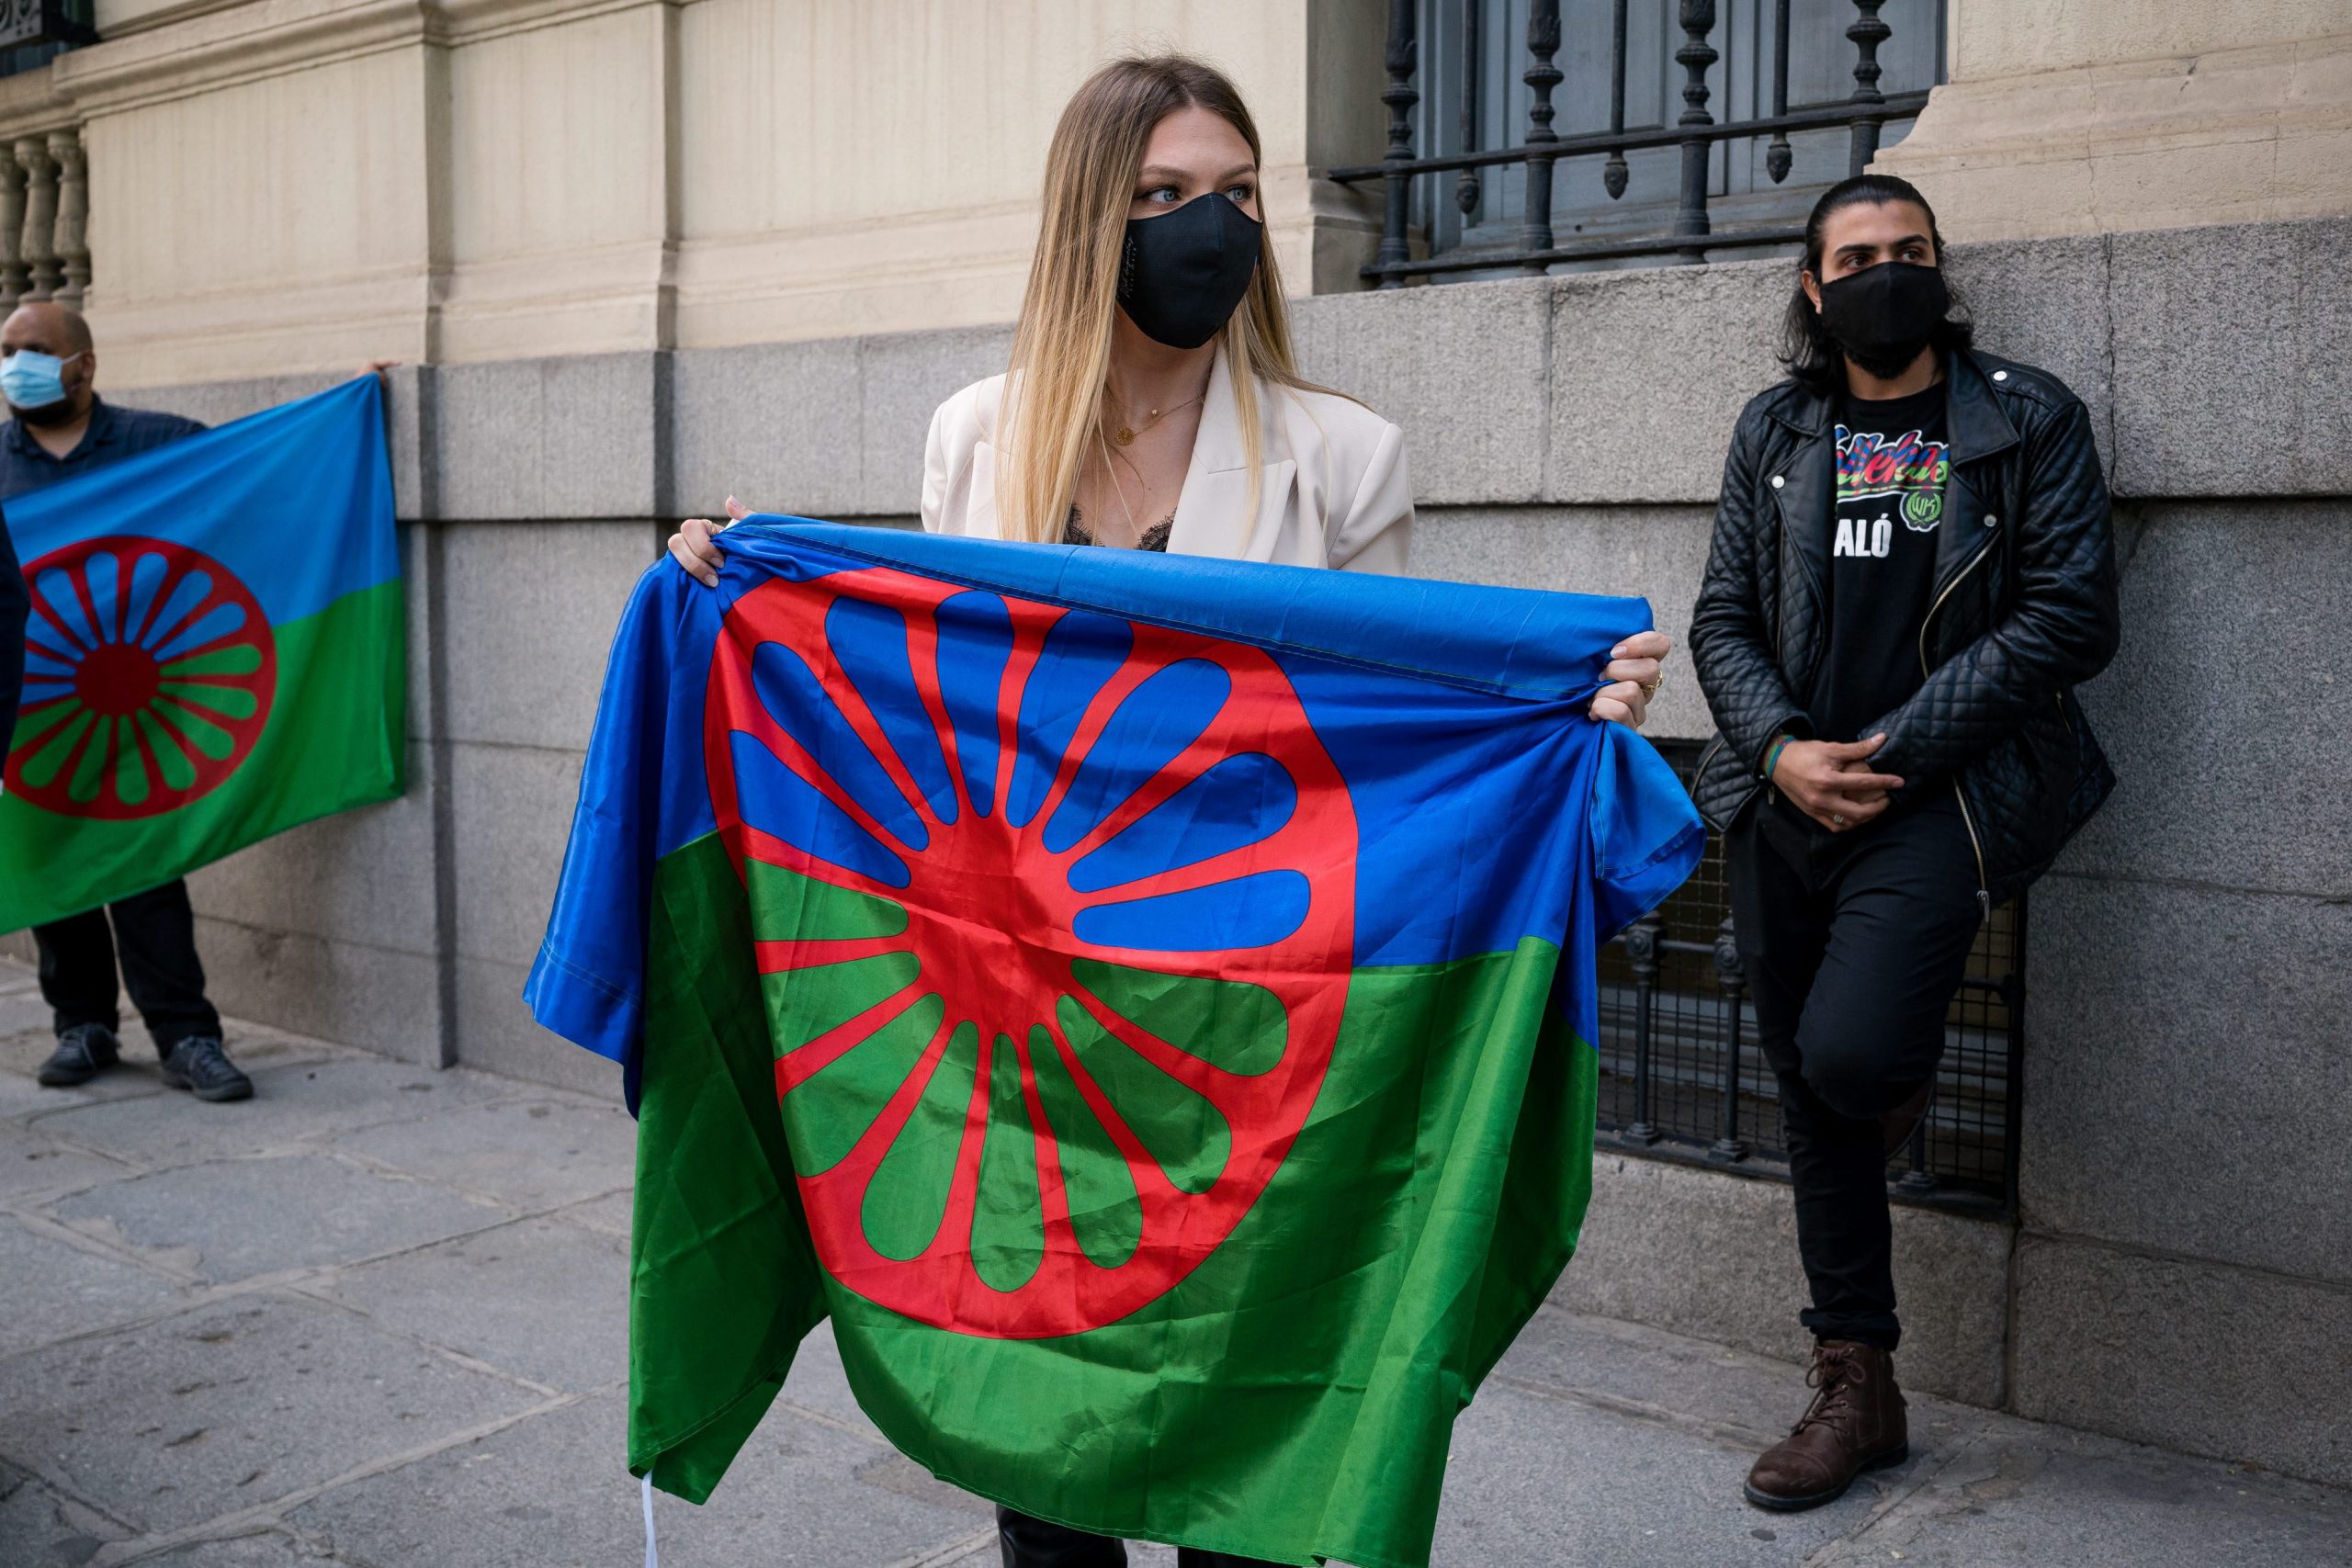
<point x="2186" y="1147"/>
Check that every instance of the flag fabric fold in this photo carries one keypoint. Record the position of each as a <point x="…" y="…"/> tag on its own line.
<point x="1147" y="1003"/>
<point x="214" y="654"/>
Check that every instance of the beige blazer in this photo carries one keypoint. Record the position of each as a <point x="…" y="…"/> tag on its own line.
<point x="1332" y="488"/>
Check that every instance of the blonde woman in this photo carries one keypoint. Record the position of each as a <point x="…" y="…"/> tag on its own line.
<point x="1153" y="403"/>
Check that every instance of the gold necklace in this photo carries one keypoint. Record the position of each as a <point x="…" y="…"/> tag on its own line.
<point x="1126" y="434"/>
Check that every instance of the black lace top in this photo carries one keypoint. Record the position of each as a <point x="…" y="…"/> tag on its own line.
<point x="1076" y="532"/>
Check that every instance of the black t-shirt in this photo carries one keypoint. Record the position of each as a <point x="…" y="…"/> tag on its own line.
<point x="1892" y="463"/>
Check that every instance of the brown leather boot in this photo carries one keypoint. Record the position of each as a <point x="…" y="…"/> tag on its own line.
<point x="1855" y="1423"/>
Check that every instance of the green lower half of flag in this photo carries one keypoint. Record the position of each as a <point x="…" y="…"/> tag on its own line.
<point x="333" y="740"/>
<point x="1291" y="1395"/>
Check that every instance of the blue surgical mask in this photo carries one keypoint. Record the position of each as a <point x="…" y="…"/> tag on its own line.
<point x="32" y="379"/>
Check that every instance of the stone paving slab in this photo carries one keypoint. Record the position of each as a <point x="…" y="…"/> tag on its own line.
<point x="397" y="1284"/>
<point x="545" y="1301"/>
<point x="2021" y="1496"/>
<point x="22" y="1010"/>
<point x="234" y="1220"/>
<point x="1552" y="1480"/>
<point x="268" y="1550"/>
<point x="1750" y="1401"/>
<point x="817" y="1384"/>
<point x="534" y="1155"/>
<point x="33" y="1167"/>
<point x="231" y="1405"/>
<point x="50" y="1290"/>
<point x="294" y="1103"/>
<point x="551" y="1491"/>
<point x="40" y="1528"/>
<point x="612" y="1213"/>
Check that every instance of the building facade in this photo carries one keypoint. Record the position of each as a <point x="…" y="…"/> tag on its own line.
<point x="638" y="255"/>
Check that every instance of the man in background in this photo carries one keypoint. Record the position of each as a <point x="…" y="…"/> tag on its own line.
<point x="62" y="429"/>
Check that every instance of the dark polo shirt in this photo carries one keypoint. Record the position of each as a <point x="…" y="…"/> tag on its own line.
<point x="113" y="435"/>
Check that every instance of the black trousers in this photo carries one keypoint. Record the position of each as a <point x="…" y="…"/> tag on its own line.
<point x="153" y="934"/>
<point x="1853" y="944"/>
<point x="1029" y="1542"/>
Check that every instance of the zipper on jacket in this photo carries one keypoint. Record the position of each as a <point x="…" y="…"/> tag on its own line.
<point x="1983" y="892"/>
<point x="1780" y="632"/>
<point x="1780" y="635"/>
<point x="1788" y="561"/>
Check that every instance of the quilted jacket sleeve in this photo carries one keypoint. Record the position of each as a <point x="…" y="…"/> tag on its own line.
<point x="1739" y="668"/>
<point x="2062" y="625"/>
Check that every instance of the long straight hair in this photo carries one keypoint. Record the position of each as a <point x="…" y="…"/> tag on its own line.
<point x="1061" y="346"/>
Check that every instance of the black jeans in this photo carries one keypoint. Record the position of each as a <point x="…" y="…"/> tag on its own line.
<point x="1029" y="1542"/>
<point x="1853" y="944"/>
<point x="155" y="935"/>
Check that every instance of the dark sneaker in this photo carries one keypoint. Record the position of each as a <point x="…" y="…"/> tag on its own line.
<point x="1855" y="1423"/>
<point x="200" y="1066"/>
<point x="83" y="1052"/>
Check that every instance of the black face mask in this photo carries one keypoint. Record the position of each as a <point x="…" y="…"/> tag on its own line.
<point x="1884" y="315"/>
<point x="1184" y="272"/>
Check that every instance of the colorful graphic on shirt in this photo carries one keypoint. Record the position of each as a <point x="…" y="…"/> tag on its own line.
<point x="1908" y="467"/>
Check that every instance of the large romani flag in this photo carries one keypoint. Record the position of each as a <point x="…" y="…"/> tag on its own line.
<point x="1146" y="1002"/>
<point x="214" y="653"/>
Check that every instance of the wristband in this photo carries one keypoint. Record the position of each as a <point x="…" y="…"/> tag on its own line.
<point x="1772" y="758"/>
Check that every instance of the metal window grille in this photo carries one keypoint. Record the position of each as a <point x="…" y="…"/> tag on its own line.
<point x="1681" y="1077"/>
<point x="1766" y="90"/>
<point x="34" y="33"/>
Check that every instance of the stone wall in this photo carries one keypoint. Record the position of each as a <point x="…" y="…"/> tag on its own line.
<point x="2182" y="1271"/>
<point x="2060" y="117"/>
<point x="283" y="185"/>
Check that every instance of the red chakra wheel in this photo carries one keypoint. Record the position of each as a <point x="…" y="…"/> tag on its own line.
<point x="1057" y="919"/>
<point x="149" y="673"/>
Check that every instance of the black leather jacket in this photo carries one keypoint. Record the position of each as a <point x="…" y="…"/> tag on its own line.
<point x="2024" y="610"/>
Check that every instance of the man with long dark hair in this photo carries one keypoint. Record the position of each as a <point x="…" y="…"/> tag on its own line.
<point x="1912" y="570"/>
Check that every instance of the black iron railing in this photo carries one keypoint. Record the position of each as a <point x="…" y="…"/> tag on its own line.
<point x="1690" y="234"/>
<point x="34" y="33"/>
<point x="1682" y="1077"/>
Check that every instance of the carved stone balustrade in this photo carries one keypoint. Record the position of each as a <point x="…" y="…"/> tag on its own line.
<point x="44" y="218"/>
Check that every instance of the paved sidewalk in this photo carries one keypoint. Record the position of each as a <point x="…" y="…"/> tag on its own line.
<point x="377" y="1317"/>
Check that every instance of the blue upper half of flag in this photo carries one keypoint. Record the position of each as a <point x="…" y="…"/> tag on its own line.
<point x="1486" y="807"/>
<point x="296" y="501"/>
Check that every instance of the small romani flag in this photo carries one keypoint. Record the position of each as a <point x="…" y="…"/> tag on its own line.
<point x="214" y="653"/>
<point x="1146" y="1002"/>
